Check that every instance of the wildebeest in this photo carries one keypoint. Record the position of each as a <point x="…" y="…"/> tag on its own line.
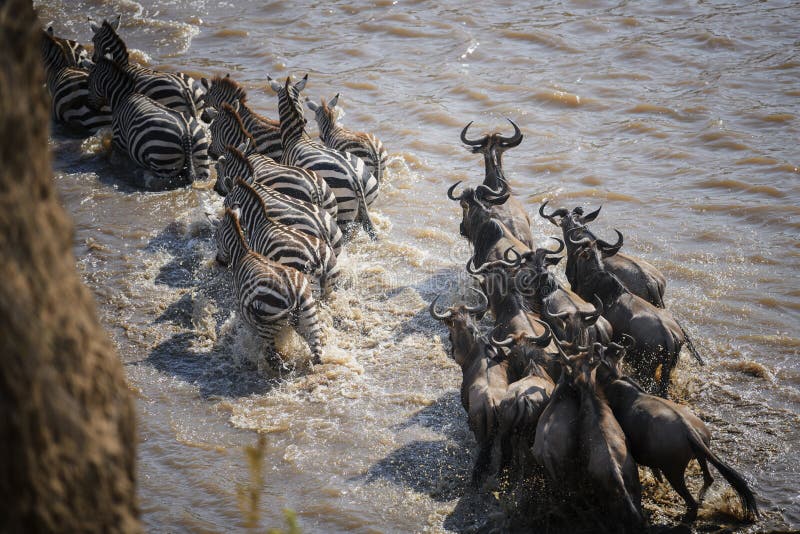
<point x="511" y="314"/>
<point x="524" y="402"/>
<point x="488" y="235"/>
<point x="484" y="378"/>
<point x="666" y="437"/>
<point x="658" y="336"/>
<point x="573" y="320"/>
<point x="640" y="277"/>
<point x="607" y="462"/>
<point x="511" y="212"/>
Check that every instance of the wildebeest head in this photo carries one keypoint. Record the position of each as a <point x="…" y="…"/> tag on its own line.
<point x="473" y="205"/>
<point x="465" y="338"/>
<point x="572" y="325"/>
<point x="574" y="224"/>
<point x="589" y="252"/>
<point x="492" y="147"/>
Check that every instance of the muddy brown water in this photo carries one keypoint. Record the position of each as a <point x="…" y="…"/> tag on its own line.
<point x="680" y="118"/>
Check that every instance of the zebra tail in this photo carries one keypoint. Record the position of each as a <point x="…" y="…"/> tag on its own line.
<point x="188" y="155"/>
<point x="690" y="344"/>
<point x="363" y="212"/>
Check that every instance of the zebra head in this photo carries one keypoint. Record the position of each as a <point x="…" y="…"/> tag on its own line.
<point x="223" y="90"/>
<point x="229" y="236"/>
<point x="106" y="40"/>
<point x="227" y="128"/>
<point x="289" y="107"/>
<point x="325" y="113"/>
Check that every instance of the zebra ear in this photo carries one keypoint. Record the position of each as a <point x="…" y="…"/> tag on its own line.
<point x="93" y="24"/>
<point x="49" y="30"/>
<point x="334" y="101"/>
<point x="272" y="83"/>
<point x="236" y="106"/>
<point x="243" y="146"/>
<point x="311" y="105"/>
<point x="115" y="23"/>
<point x="299" y="86"/>
<point x="204" y="83"/>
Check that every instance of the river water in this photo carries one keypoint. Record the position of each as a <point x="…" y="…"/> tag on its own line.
<point x="681" y="119"/>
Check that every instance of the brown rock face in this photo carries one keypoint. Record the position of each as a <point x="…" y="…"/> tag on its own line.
<point x="67" y="429"/>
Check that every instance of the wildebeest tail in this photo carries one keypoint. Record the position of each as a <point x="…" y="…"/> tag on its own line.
<point x="690" y="344"/>
<point x="734" y="479"/>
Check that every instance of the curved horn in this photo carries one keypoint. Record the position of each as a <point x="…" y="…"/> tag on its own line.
<point x="598" y="310"/>
<point x="469" y="142"/>
<point x="559" y="315"/>
<point x="589" y="217"/>
<point x="544" y="339"/>
<point x="560" y="247"/>
<point x="451" y="189"/>
<point x="584" y="241"/>
<point x="488" y="265"/>
<point x="560" y="212"/>
<point x="507" y="342"/>
<point x="608" y="249"/>
<point x="435" y="314"/>
<point x="478" y="308"/>
<point x="514" y="140"/>
<point x="491" y="196"/>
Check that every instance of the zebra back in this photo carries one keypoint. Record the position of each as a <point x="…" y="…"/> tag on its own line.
<point x="269" y="295"/>
<point x="344" y="173"/>
<point x="176" y="91"/>
<point x="285" y="244"/>
<point x="289" y="180"/>
<point x="364" y="145"/>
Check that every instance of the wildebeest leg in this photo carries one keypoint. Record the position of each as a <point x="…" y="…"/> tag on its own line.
<point x="670" y="361"/>
<point x="675" y="478"/>
<point x="482" y="462"/>
<point x="707" y="478"/>
<point x="656" y="474"/>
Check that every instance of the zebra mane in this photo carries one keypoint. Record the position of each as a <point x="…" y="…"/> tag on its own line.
<point x="253" y="193"/>
<point x="237" y="226"/>
<point x="227" y="108"/>
<point x="228" y="83"/>
<point x="237" y="154"/>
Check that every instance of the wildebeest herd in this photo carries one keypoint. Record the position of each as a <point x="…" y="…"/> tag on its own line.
<point x="549" y="384"/>
<point x="290" y="202"/>
<point x="571" y="381"/>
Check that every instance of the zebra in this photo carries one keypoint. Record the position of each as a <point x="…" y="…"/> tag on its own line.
<point x="76" y="54"/>
<point x="174" y="90"/>
<point x="251" y="166"/>
<point x="282" y="243"/>
<point x="230" y="128"/>
<point x="266" y="132"/>
<point x="354" y="186"/>
<point x="364" y="145"/>
<point x="298" y="214"/>
<point x="69" y="87"/>
<point x="162" y="140"/>
<point x="269" y="295"/>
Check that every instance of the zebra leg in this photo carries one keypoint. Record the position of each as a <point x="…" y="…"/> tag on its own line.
<point x="308" y="325"/>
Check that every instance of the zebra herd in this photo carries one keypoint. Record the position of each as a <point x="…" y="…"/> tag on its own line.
<point x="290" y="202"/>
<point x="549" y="382"/>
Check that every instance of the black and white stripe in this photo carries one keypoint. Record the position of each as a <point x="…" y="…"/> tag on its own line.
<point x="69" y="87"/>
<point x="289" y="211"/>
<point x="165" y="142"/>
<point x="76" y="54"/>
<point x="252" y="167"/>
<point x="269" y="295"/>
<point x="174" y="90"/>
<point x="354" y="186"/>
<point x="284" y="244"/>
<point x="266" y="132"/>
<point x="364" y="145"/>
